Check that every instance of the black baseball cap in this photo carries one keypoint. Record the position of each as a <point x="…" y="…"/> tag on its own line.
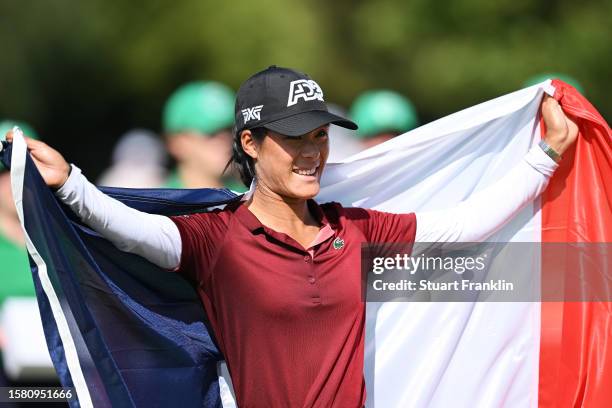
<point x="284" y="101"/>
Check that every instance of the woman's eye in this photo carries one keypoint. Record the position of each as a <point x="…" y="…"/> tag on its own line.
<point x="322" y="134"/>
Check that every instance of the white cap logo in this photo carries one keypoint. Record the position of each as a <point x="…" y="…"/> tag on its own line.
<point x="305" y="89"/>
<point x="253" y="113"/>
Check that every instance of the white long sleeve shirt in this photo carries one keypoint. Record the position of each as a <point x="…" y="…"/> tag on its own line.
<point x="156" y="237"/>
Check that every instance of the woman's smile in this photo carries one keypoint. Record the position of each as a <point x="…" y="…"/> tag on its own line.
<point x="307" y="171"/>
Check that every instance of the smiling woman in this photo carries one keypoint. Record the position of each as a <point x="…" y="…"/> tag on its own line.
<point x="289" y="107"/>
<point x="304" y="155"/>
<point x="301" y="157"/>
<point x="278" y="274"/>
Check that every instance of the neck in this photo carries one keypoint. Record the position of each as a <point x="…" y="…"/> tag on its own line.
<point x="280" y="213"/>
<point x="193" y="176"/>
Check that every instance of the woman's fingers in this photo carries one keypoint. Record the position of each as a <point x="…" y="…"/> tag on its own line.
<point x="572" y="127"/>
<point x="553" y="115"/>
<point x="50" y="163"/>
<point x="561" y="132"/>
<point x="9" y="138"/>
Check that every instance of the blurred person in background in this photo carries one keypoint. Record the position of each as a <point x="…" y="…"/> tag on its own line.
<point x="381" y="115"/>
<point x="12" y="242"/>
<point x="536" y="79"/>
<point x="24" y="359"/>
<point x="342" y="143"/>
<point x="138" y="161"/>
<point x="197" y="122"/>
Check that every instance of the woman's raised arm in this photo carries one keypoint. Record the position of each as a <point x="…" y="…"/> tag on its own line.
<point x="484" y="213"/>
<point x="154" y="237"/>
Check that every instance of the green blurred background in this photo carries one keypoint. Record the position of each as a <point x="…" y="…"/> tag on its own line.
<point x="83" y="72"/>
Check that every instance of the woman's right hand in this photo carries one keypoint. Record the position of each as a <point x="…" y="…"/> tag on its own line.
<point x="52" y="166"/>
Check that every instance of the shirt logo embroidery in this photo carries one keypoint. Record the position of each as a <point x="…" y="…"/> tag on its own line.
<point x="338" y="243"/>
<point x="305" y="89"/>
<point x="253" y="113"/>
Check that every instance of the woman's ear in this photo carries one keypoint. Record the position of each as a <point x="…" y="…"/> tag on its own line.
<point x="249" y="145"/>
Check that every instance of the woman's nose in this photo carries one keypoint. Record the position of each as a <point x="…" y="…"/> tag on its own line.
<point x="311" y="150"/>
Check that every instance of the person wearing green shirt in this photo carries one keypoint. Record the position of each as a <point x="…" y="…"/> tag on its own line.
<point x="197" y="122"/>
<point x="14" y="267"/>
<point x="15" y="275"/>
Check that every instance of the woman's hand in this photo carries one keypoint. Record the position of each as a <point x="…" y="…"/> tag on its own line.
<point x="50" y="163"/>
<point x="561" y="132"/>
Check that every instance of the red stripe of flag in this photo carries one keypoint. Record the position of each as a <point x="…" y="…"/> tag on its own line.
<point x="576" y="337"/>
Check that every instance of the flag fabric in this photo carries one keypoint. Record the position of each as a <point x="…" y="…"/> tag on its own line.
<point x="489" y="354"/>
<point x="121" y="331"/>
<point x="576" y="337"/>
<point x="124" y="333"/>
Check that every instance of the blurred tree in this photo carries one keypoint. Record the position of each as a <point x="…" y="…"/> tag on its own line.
<point x="84" y="72"/>
<point x="448" y="56"/>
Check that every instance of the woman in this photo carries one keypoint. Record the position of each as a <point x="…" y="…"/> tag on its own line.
<point x="279" y="274"/>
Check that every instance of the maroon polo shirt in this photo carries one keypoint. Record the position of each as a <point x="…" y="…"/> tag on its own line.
<point x="288" y="319"/>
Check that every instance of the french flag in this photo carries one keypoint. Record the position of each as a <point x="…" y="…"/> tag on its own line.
<point x="468" y="354"/>
<point x="123" y="333"/>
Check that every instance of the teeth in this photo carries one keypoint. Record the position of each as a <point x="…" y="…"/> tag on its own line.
<point x="305" y="172"/>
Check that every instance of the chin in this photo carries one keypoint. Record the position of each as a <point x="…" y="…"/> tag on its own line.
<point x="305" y="191"/>
<point x="303" y="187"/>
<point x="308" y="194"/>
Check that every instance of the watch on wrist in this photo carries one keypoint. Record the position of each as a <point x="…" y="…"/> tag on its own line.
<point x="552" y="153"/>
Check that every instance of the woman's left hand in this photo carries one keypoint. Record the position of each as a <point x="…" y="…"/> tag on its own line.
<point x="561" y="132"/>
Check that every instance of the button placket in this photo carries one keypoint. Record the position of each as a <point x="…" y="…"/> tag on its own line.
<point x="312" y="280"/>
<point x="311" y="277"/>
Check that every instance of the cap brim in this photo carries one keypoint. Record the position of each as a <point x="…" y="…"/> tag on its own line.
<point x="305" y="122"/>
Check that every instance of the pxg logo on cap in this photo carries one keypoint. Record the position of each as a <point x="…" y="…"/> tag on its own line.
<point x="284" y="101"/>
<point x="253" y="113"/>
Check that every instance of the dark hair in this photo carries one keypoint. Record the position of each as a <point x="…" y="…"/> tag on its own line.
<point x="242" y="162"/>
